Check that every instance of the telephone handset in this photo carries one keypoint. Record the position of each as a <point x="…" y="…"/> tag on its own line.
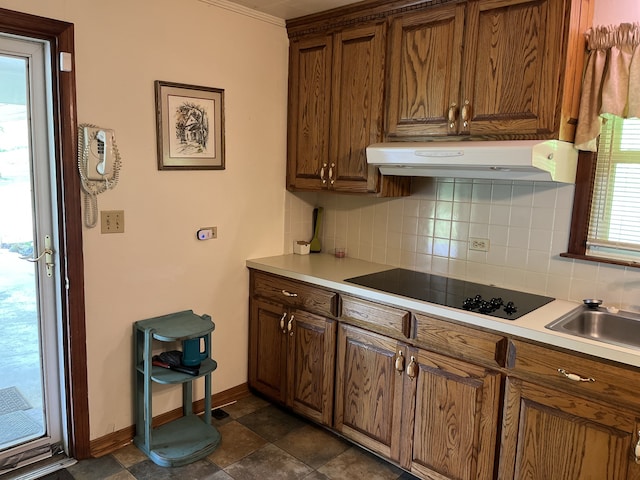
<point x="101" y="138"/>
<point x="97" y="152"/>
<point x="99" y="166"/>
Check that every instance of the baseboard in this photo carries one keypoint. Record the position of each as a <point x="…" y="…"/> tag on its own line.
<point x="113" y="441"/>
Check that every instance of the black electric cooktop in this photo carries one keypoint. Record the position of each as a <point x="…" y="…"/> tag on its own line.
<point x="473" y="297"/>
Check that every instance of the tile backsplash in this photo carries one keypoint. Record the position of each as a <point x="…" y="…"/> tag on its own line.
<point x="526" y="225"/>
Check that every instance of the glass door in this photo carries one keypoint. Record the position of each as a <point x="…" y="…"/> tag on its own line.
<point x="30" y="398"/>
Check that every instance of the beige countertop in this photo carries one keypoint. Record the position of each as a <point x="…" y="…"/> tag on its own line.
<point x="330" y="272"/>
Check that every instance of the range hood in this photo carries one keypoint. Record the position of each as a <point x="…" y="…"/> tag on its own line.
<point x="534" y="160"/>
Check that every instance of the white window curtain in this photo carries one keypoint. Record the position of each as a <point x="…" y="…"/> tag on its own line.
<point x="611" y="83"/>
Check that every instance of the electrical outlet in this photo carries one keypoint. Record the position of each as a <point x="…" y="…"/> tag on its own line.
<point x="112" y="221"/>
<point x="480" y="244"/>
<point x="207" y="233"/>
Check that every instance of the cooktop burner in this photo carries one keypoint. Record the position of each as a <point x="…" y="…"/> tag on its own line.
<point x="474" y="297"/>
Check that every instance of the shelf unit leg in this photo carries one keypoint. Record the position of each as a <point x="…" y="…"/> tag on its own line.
<point x="207" y="388"/>
<point x="187" y="398"/>
<point x="148" y="414"/>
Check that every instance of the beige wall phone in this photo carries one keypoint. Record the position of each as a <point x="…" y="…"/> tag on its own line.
<point x="99" y="166"/>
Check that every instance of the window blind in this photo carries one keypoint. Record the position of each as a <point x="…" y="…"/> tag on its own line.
<point x="614" y="226"/>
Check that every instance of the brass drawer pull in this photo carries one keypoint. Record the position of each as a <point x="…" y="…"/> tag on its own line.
<point x="636" y="450"/>
<point x="289" y="294"/>
<point x="574" y="377"/>
<point x="284" y="315"/>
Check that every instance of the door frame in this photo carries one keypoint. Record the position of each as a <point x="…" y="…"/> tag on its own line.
<point x="60" y="36"/>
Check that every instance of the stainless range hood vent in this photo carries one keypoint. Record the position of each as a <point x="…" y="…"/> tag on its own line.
<point x="533" y="160"/>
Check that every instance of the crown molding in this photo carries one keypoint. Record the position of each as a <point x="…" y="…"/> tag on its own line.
<point x="248" y="12"/>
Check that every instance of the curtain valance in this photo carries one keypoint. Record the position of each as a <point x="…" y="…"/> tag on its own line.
<point x="611" y="83"/>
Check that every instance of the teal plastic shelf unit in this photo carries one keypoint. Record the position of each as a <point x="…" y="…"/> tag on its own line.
<point x="190" y="437"/>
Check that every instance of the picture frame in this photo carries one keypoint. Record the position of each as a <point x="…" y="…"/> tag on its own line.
<point x="189" y="126"/>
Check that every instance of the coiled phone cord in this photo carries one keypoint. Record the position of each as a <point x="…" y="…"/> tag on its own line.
<point x="92" y="188"/>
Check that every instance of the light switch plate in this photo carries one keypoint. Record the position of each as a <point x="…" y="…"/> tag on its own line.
<point x="112" y="221"/>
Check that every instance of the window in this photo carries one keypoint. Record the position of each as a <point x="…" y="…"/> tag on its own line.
<point x="609" y="183"/>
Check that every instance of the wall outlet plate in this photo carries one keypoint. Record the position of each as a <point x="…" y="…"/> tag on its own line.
<point x="479" y="244"/>
<point x="207" y="233"/>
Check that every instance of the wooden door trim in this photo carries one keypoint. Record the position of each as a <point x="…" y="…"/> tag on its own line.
<point x="60" y="36"/>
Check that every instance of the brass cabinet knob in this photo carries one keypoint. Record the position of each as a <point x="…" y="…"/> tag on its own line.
<point x="466" y="113"/>
<point x="453" y="115"/>
<point x="412" y="368"/>
<point x="400" y="362"/>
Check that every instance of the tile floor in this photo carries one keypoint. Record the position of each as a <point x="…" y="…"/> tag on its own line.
<point x="259" y="441"/>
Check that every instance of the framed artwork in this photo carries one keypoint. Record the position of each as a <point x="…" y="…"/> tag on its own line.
<point x="190" y="127"/>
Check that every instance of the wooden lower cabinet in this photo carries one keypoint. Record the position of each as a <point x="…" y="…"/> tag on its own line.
<point x="549" y="434"/>
<point x="368" y="405"/>
<point x="433" y="415"/>
<point x="292" y="358"/>
<point x="450" y="418"/>
<point x="442" y="416"/>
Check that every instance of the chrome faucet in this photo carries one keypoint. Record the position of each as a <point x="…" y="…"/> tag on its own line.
<point x="592" y="303"/>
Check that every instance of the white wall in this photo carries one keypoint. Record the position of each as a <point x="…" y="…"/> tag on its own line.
<point x="527" y="225"/>
<point x="157" y="266"/>
<point x="614" y="12"/>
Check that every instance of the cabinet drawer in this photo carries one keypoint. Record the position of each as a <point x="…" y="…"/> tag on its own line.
<point x="604" y="380"/>
<point x="460" y="341"/>
<point x="295" y="294"/>
<point x="373" y="315"/>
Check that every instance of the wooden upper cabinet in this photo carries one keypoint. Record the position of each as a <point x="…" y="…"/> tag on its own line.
<point x="512" y="67"/>
<point x="336" y="85"/>
<point x="309" y="108"/>
<point x="356" y="107"/>
<point x="487" y="69"/>
<point x="424" y="72"/>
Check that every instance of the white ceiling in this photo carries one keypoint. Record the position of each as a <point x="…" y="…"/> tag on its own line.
<point x="287" y="9"/>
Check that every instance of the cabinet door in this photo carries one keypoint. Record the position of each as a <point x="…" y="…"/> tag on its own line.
<point x="512" y="67"/>
<point x="309" y="103"/>
<point x="424" y="71"/>
<point x="450" y="418"/>
<point x="311" y="365"/>
<point x="356" y="107"/>
<point x="267" y="349"/>
<point x="369" y="390"/>
<point x="549" y="434"/>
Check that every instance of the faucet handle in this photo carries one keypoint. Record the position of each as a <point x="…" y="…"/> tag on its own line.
<point x="592" y="303"/>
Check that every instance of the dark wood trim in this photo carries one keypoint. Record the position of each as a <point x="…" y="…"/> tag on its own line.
<point x="577" y="249"/>
<point x="365" y="11"/>
<point x="608" y="261"/>
<point x="585" y="176"/>
<point x="60" y="36"/>
<point x="113" y="441"/>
